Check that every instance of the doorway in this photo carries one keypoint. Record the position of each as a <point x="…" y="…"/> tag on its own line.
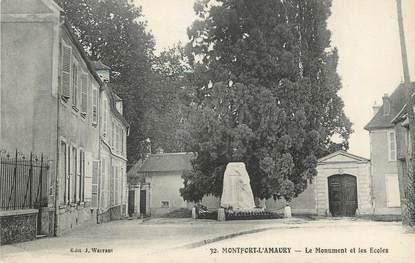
<point x="131" y="203"/>
<point x="143" y="202"/>
<point x="342" y="195"/>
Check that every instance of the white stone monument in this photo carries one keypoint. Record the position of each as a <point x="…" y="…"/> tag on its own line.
<point x="237" y="192"/>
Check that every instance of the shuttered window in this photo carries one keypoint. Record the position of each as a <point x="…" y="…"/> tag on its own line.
<point x="392" y="146"/>
<point x="104" y="116"/>
<point x="63" y="173"/>
<point x="88" y="177"/>
<point x="112" y="178"/>
<point x="81" y="177"/>
<point x="84" y="93"/>
<point x="392" y="191"/>
<point x="74" y="85"/>
<point x="66" y="71"/>
<point x="94" y="184"/>
<point x="117" y="185"/>
<point x="94" y="105"/>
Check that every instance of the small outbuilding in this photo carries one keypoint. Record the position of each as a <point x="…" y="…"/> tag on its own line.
<point x="341" y="188"/>
<point x="156" y="191"/>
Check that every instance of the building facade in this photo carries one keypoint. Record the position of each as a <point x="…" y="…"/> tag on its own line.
<point x="383" y="154"/>
<point x="113" y="187"/>
<point x="157" y="190"/>
<point x="53" y="102"/>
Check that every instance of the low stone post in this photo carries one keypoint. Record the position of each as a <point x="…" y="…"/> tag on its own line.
<point x="194" y="212"/>
<point x="221" y="214"/>
<point x="287" y="211"/>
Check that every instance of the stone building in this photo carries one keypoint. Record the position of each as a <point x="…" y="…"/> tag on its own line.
<point x="54" y="102"/>
<point x="159" y="180"/>
<point x="341" y="188"/>
<point x="383" y="154"/>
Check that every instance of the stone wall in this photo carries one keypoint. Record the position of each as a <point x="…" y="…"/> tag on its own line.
<point x="18" y="226"/>
<point x="71" y="216"/>
<point x="113" y="213"/>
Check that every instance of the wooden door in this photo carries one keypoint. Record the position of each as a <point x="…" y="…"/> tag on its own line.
<point x="143" y="202"/>
<point x="342" y="195"/>
<point x="131" y="203"/>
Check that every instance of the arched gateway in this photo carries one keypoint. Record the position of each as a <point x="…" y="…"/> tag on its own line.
<point x="342" y="190"/>
<point x="342" y="185"/>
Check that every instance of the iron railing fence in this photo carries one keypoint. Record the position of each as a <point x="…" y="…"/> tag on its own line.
<point x="23" y="181"/>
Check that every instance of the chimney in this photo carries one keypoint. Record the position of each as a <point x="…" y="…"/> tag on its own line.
<point x="375" y="108"/>
<point x="103" y="71"/>
<point x="386" y="104"/>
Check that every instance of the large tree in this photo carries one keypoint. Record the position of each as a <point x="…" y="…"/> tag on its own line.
<point x="265" y="93"/>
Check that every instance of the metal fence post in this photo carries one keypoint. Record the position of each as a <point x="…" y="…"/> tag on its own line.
<point x="15" y="181"/>
<point x="31" y="180"/>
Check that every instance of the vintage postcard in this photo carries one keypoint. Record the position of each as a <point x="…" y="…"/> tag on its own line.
<point x="207" y="131"/>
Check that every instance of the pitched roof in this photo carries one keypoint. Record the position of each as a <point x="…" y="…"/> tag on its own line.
<point x="164" y="162"/>
<point x="99" y="65"/>
<point x="401" y="116"/>
<point x="349" y="157"/>
<point x="397" y="101"/>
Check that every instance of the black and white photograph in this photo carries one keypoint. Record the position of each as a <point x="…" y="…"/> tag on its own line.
<point x="207" y="131"/>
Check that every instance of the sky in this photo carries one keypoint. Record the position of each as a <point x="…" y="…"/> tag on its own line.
<point x="364" y="31"/>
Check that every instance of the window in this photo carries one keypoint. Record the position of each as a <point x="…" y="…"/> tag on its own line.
<point x="74" y="85"/>
<point x="113" y="131"/>
<point x="63" y="172"/>
<point x="94" y="197"/>
<point x="81" y="177"/>
<point x="68" y="177"/>
<point x="66" y="60"/>
<point x="84" y="94"/>
<point x="122" y="141"/>
<point x="112" y="179"/>
<point x="104" y="120"/>
<point x="391" y="146"/>
<point x="94" y="105"/>
<point x="392" y="191"/>
<point x="116" y="185"/>
<point x="75" y="174"/>
<point x="103" y="184"/>
<point x="165" y="204"/>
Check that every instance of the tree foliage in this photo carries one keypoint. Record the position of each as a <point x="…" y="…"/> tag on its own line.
<point x="265" y="94"/>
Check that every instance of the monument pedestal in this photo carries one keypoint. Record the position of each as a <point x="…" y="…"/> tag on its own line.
<point x="287" y="212"/>
<point x="221" y="214"/>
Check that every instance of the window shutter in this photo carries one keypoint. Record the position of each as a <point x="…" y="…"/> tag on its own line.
<point x="89" y="96"/>
<point x="94" y="105"/>
<point x="88" y="177"/>
<point x="112" y="177"/>
<point x="84" y="96"/>
<point x="74" y="85"/>
<point x="392" y="191"/>
<point x="66" y="71"/>
<point x="94" y="184"/>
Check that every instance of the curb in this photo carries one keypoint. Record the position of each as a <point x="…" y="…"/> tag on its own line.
<point x="220" y="238"/>
<point x="246" y="232"/>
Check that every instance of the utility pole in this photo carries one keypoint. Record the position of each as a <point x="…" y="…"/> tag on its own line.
<point x="409" y="92"/>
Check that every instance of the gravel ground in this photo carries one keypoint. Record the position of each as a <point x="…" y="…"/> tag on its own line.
<point x="183" y="240"/>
